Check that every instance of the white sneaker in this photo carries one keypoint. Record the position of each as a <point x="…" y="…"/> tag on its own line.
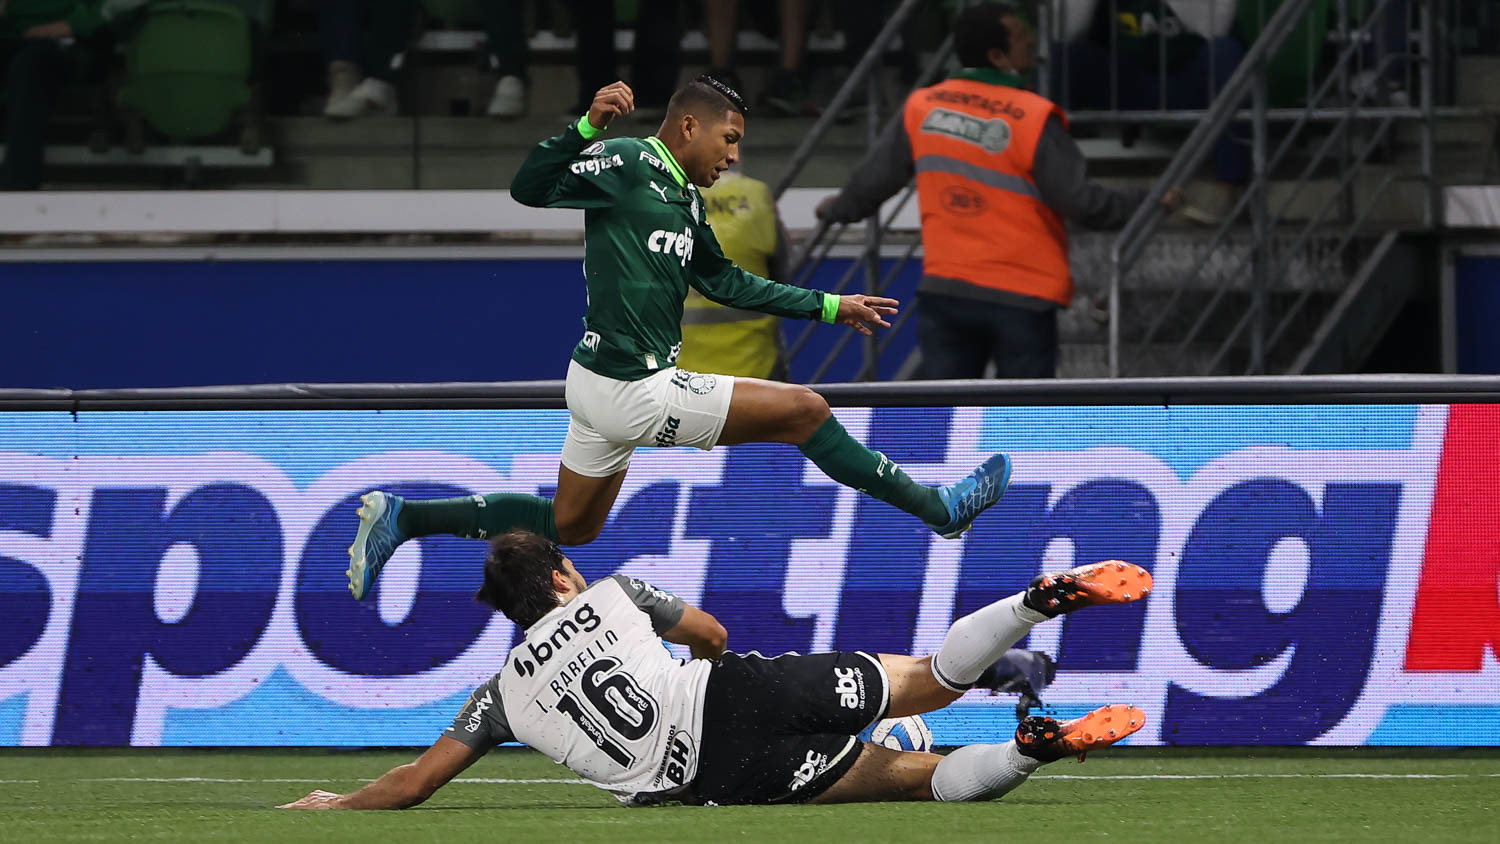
<point x="509" y="99"/>
<point x="343" y="78"/>
<point x="372" y="96"/>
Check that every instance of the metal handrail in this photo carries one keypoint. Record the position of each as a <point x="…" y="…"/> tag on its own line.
<point x="1258" y="257"/>
<point x="1241" y="84"/>
<point x="857" y="76"/>
<point x="816" y="248"/>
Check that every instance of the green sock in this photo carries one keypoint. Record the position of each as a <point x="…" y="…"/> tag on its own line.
<point x="842" y="458"/>
<point x="478" y="516"/>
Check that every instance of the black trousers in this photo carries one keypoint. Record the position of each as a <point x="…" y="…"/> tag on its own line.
<point x="657" y="61"/>
<point x="35" y="70"/>
<point x="958" y="336"/>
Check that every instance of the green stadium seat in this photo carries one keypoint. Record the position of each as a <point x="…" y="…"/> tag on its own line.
<point x="455" y="13"/>
<point x="188" y="67"/>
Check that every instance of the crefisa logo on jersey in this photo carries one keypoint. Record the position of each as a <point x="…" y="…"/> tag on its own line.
<point x="672" y="243"/>
<point x="584" y="619"/>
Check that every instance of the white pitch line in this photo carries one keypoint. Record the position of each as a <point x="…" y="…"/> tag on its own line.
<point x="1263" y="776"/>
<point x="483" y="780"/>
<point x="559" y="781"/>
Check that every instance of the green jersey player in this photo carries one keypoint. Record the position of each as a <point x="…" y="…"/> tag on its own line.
<point x="646" y="243"/>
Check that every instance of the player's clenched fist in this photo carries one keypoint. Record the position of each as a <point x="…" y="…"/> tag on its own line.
<point x="612" y="101"/>
<point x="862" y="312"/>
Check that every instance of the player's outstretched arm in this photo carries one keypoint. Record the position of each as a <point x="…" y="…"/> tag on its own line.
<point x="705" y="637"/>
<point x="403" y="786"/>
<point x="718" y="279"/>
<point x="555" y="176"/>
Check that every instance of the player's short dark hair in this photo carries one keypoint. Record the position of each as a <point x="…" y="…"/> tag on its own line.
<point x="706" y="96"/>
<point x="518" y="576"/>
<point x="978" y="29"/>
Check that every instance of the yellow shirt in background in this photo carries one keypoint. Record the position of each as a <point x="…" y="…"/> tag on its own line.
<point x="724" y="340"/>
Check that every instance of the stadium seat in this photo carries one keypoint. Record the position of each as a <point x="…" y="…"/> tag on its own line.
<point x="188" y="67"/>
<point x="455" y="12"/>
<point x="1298" y="57"/>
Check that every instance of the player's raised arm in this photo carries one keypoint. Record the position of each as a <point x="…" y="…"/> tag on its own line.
<point x="574" y="170"/>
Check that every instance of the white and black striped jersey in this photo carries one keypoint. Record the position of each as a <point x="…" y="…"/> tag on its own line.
<point x="592" y="687"/>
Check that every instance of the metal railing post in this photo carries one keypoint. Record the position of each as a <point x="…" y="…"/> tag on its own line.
<point x="1260" y="223"/>
<point x="1433" y="213"/>
<point x="1346" y="145"/>
<point x="868" y="369"/>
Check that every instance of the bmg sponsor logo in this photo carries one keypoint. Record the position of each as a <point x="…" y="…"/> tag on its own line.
<point x="584" y="620"/>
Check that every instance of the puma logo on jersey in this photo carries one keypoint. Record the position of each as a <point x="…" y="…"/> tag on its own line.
<point x="672" y="243"/>
<point x="659" y="189"/>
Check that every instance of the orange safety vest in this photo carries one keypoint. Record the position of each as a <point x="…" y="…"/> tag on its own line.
<point x="983" y="222"/>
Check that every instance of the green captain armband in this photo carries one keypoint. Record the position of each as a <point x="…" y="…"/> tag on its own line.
<point x="830" y="307"/>
<point x="587" y="130"/>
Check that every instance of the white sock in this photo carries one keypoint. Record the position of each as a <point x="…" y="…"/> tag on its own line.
<point x="981" y="772"/>
<point x="975" y="641"/>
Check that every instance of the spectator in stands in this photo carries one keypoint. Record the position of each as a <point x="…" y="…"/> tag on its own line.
<point x="390" y="30"/>
<point x="655" y="64"/>
<point x="42" y="43"/>
<point x="338" y="29"/>
<point x="716" y="338"/>
<point x="997" y="173"/>
<point x="861" y="21"/>
<point x="787" y="94"/>
<point x="1183" y="48"/>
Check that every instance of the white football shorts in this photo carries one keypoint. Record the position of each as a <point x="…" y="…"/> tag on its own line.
<point x="610" y="419"/>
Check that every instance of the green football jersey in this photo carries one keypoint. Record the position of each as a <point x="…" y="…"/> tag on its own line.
<point x="646" y="240"/>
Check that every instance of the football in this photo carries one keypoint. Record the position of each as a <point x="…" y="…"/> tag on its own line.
<point x="909" y="733"/>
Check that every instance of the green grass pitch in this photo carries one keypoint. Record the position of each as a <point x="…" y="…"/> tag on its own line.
<point x="1143" y="795"/>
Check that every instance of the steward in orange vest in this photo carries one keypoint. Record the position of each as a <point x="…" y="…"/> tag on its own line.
<point x="997" y="174"/>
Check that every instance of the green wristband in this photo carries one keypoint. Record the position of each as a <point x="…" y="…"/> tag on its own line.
<point x="587" y="130"/>
<point x="830" y="307"/>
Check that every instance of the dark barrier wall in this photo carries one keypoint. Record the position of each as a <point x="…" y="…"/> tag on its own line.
<point x="176" y="576"/>
<point x="1476" y="288"/>
<point x="93" y="324"/>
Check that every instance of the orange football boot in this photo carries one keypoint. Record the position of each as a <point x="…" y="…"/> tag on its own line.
<point x="1045" y="739"/>
<point x="1109" y="582"/>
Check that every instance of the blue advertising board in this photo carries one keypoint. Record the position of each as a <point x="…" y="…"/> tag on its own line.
<point x="177" y="577"/>
<point x="166" y="323"/>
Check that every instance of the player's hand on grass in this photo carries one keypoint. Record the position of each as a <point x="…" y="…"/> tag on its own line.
<point x="319" y="799"/>
<point x="864" y="312"/>
<point x="612" y="101"/>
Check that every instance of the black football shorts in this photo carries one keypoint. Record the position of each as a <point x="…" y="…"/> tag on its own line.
<point x="782" y="729"/>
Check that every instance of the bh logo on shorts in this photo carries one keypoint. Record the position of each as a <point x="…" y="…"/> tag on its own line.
<point x="815" y="763"/>
<point x="850" y="687"/>
<point x="672" y="243"/>
<point x="694" y="382"/>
